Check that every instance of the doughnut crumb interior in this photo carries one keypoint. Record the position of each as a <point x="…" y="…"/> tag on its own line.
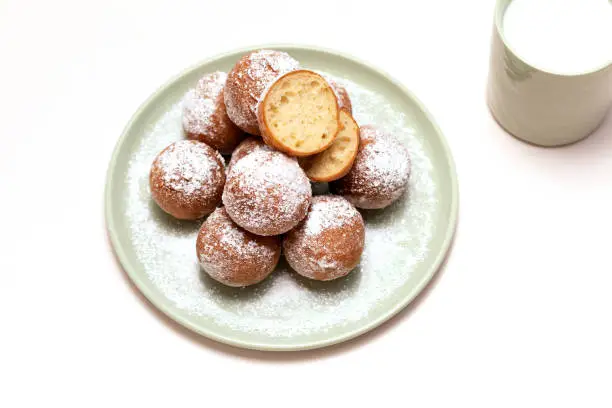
<point x="299" y="114"/>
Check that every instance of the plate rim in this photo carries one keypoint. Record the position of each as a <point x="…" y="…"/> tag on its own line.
<point x="130" y="269"/>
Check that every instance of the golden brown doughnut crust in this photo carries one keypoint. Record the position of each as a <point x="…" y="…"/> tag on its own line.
<point x="232" y="255"/>
<point x="187" y="179"/>
<point x="380" y="172"/>
<point x="248" y="80"/>
<point x="205" y="117"/>
<point x="329" y="242"/>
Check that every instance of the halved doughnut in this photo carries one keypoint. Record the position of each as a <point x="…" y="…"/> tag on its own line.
<point x="337" y="160"/>
<point x="299" y="114"/>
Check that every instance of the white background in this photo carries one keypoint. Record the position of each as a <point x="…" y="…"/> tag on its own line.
<point x="520" y="315"/>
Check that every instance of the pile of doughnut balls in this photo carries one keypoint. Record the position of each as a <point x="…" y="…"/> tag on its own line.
<point x="284" y="129"/>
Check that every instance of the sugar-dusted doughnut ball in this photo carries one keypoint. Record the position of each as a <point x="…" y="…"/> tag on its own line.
<point x="380" y="172"/>
<point x="267" y="193"/>
<point x="328" y="243"/>
<point x="204" y="115"/>
<point x="232" y="255"/>
<point x="187" y="179"/>
<point x="248" y="80"/>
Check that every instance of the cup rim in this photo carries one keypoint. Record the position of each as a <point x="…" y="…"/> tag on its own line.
<point x="499" y="22"/>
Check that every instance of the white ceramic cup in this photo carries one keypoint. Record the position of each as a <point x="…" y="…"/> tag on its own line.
<point x="544" y="108"/>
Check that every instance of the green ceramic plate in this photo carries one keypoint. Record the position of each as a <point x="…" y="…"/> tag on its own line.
<point x="405" y="243"/>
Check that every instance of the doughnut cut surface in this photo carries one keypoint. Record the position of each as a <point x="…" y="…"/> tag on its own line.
<point x="337" y="160"/>
<point x="299" y="114"/>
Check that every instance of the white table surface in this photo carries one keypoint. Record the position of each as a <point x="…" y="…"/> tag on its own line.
<point x="521" y="315"/>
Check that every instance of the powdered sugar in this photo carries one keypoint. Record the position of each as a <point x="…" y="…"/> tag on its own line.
<point x="197" y="113"/>
<point x="389" y="165"/>
<point x="187" y="166"/>
<point x="281" y="65"/>
<point x="328" y="214"/>
<point x="385" y="161"/>
<point x="286" y="305"/>
<point x="344" y="101"/>
<point x="237" y="239"/>
<point x="247" y="146"/>
<point x="267" y="65"/>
